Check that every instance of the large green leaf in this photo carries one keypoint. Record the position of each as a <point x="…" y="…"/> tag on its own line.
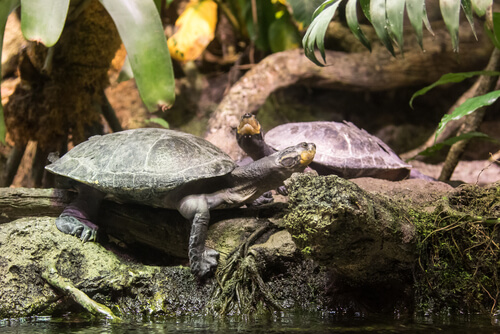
<point x="365" y="7"/>
<point x="451" y="78"/>
<point x="379" y="22"/>
<point x="6" y="7"/>
<point x="416" y="12"/>
<point x="468" y="107"/>
<point x="467" y="7"/>
<point x="351" y="14"/>
<point x="140" y="28"/>
<point x="450" y="9"/>
<point x="315" y="34"/>
<point x="395" y="14"/>
<point x="303" y="10"/>
<point x="43" y="21"/>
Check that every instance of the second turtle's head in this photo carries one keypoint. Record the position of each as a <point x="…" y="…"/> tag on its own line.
<point x="249" y="125"/>
<point x="296" y="157"/>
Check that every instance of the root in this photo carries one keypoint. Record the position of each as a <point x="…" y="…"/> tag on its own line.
<point x="240" y="287"/>
<point x="63" y="284"/>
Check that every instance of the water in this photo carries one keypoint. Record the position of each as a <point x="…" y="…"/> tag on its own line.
<point x="278" y="323"/>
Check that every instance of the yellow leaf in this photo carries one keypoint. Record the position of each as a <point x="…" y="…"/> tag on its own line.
<point x="195" y="30"/>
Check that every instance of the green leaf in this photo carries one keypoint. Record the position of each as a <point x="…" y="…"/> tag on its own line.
<point x="379" y="22"/>
<point x="495" y="34"/>
<point x="365" y="7"/>
<point x="158" y="5"/>
<point x="6" y="7"/>
<point x="303" y="10"/>
<point x="43" y="21"/>
<point x="430" y="151"/>
<point x="395" y="14"/>
<point x="315" y="34"/>
<point x="450" y="9"/>
<point x="480" y="6"/>
<point x="140" y="28"/>
<point x="426" y="22"/>
<point x="468" y="107"/>
<point x="451" y="78"/>
<point x="416" y="11"/>
<point x="352" y="21"/>
<point x="467" y="7"/>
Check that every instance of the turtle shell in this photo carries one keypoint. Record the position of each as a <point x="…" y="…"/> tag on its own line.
<point x="342" y="149"/>
<point x="140" y="164"/>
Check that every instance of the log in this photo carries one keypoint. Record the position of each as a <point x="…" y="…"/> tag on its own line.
<point x="376" y="71"/>
<point x="132" y="224"/>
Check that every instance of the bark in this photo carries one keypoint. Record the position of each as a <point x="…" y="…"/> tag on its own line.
<point x="133" y="225"/>
<point x="374" y="71"/>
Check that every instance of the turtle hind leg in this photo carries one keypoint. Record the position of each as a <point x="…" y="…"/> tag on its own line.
<point x="76" y="219"/>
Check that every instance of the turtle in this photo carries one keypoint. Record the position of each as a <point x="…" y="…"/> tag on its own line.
<point x="168" y="169"/>
<point x="343" y="149"/>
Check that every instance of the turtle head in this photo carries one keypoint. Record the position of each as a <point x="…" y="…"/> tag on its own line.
<point x="250" y="137"/>
<point x="296" y="157"/>
<point x="249" y="126"/>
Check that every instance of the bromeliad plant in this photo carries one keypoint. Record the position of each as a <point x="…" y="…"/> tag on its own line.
<point x="138" y="24"/>
<point x="387" y="20"/>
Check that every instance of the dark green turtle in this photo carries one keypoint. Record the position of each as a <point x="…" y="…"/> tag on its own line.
<point x="342" y="148"/>
<point x="168" y="169"/>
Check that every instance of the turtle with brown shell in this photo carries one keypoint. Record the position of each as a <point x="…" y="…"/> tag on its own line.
<point x="342" y="149"/>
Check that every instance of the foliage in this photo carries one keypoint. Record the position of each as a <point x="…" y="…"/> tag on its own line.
<point x="271" y="25"/>
<point x="138" y="24"/>
<point x="451" y="78"/>
<point x="466" y="108"/>
<point x="387" y="20"/>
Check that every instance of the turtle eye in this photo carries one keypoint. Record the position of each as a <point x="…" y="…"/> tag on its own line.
<point x="303" y="144"/>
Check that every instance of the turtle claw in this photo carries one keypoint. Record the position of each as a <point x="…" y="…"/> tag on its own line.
<point x="282" y="190"/>
<point x="207" y="264"/>
<point x="265" y="198"/>
<point x="73" y="226"/>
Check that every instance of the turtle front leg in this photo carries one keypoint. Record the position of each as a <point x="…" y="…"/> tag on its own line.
<point x="203" y="261"/>
<point x="76" y="217"/>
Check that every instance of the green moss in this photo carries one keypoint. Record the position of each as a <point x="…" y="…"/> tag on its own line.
<point x="459" y="253"/>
